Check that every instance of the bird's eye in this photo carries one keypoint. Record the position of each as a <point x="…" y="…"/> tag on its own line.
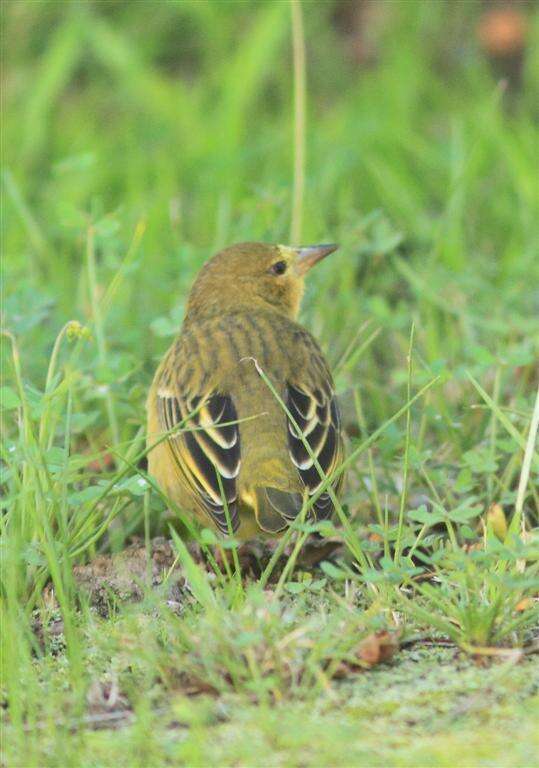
<point x="279" y="268"/>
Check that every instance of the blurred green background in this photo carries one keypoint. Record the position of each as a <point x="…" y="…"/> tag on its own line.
<point x="169" y="127"/>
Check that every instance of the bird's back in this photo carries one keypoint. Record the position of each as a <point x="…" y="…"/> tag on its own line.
<point x="256" y="360"/>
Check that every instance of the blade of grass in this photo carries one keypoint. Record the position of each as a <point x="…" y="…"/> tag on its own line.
<point x="493" y="434"/>
<point x="97" y="318"/>
<point x="350" y="346"/>
<point x="119" y="276"/>
<point x="518" y="521"/>
<point x="35" y="233"/>
<point x="374" y="481"/>
<point x="502" y="418"/>
<point x="198" y="580"/>
<point x="277" y="553"/>
<point x="404" y="492"/>
<point x="358" y="352"/>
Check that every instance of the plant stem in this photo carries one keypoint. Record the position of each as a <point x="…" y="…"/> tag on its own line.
<point x="298" y="44"/>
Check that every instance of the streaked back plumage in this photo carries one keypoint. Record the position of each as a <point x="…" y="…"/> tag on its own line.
<point x="262" y="471"/>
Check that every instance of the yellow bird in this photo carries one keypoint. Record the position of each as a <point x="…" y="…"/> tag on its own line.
<point x="239" y="445"/>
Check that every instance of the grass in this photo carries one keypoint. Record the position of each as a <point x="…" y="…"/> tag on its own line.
<point x="134" y="145"/>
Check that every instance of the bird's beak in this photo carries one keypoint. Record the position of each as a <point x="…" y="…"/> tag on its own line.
<point x="309" y="255"/>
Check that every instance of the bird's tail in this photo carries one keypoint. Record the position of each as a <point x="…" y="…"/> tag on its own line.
<point x="275" y="508"/>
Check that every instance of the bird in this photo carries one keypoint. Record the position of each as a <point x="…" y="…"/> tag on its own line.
<point x="243" y="423"/>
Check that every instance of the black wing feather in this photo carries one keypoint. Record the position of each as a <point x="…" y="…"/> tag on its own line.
<point x="317" y="417"/>
<point x="207" y="453"/>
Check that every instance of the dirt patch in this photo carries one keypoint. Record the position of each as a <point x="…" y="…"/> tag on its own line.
<point x="126" y="575"/>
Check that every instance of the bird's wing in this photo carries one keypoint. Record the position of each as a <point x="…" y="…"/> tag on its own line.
<point x="313" y="406"/>
<point x="206" y="451"/>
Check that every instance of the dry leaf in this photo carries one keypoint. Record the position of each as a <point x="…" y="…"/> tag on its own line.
<point x="372" y="650"/>
<point x="378" y="648"/>
<point x="524" y="604"/>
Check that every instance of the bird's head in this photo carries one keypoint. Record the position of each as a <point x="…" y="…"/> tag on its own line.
<point x="255" y="275"/>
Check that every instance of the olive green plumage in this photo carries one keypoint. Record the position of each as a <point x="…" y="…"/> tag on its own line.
<point x="240" y="455"/>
